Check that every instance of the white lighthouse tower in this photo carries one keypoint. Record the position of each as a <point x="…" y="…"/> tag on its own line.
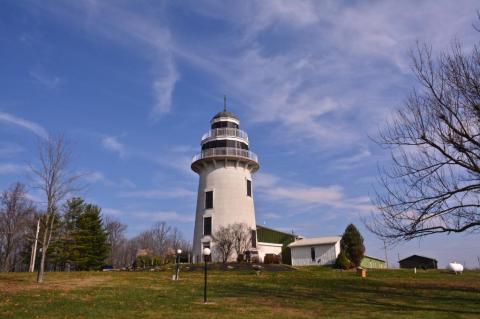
<point x="225" y="166"/>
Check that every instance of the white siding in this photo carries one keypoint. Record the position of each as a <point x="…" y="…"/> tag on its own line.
<point x="228" y="181"/>
<point x="324" y="254"/>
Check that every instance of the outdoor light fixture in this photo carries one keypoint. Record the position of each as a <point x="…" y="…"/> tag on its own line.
<point x="206" y="253"/>
<point x="179" y="251"/>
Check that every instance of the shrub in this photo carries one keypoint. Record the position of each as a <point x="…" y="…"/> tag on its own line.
<point x="342" y="261"/>
<point x="240" y="258"/>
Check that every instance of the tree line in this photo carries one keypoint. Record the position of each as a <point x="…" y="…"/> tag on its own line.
<point x="66" y="233"/>
<point x="81" y="238"/>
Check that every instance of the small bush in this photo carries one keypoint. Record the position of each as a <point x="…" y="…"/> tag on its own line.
<point x="342" y="261"/>
<point x="240" y="258"/>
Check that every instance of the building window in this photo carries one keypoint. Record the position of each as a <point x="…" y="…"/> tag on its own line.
<point x="249" y="188"/>
<point x="207" y="226"/>
<point x="209" y="200"/>
<point x="312" y="253"/>
<point x="254" y="238"/>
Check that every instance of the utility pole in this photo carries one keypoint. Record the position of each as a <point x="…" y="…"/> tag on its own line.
<point x="34" y="249"/>
<point x="386" y="257"/>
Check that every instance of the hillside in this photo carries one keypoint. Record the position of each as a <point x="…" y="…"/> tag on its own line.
<point x="306" y="293"/>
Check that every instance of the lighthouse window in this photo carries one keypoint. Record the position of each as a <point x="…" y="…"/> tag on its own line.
<point x="207" y="226"/>
<point x="209" y="200"/>
<point x="224" y="124"/>
<point x="249" y="188"/>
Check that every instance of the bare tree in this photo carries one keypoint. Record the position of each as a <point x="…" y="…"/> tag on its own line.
<point x="160" y="236"/>
<point x="116" y="236"/>
<point x="434" y="183"/>
<point x="241" y="237"/>
<point x="55" y="180"/>
<point x="15" y="212"/>
<point x="224" y="240"/>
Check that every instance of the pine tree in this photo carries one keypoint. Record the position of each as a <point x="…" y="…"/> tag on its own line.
<point x="91" y="240"/>
<point x="74" y="209"/>
<point x="352" y="245"/>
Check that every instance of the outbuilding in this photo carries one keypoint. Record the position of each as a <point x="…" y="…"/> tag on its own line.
<point x="315" y="251"/>
<point x="416" y="261"/>
<point x="370" y="262"/>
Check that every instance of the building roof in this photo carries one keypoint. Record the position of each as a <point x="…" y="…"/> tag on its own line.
<point x="225" y="114"/>
<point x="315" y="241"/>
<point x="370" y="257"/>
<point x="417" y="256"/>
<point x="276" y="230"/>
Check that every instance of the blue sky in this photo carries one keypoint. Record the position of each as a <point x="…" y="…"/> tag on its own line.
<point x="134" y="84"/>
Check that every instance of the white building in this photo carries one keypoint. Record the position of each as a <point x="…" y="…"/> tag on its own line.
<point x="315" y="251"/>
<point x="225" y="166"/>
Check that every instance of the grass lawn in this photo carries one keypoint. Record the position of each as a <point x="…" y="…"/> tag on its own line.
<point x="306" y="293"/>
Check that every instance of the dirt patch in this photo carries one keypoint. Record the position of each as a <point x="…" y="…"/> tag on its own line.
<point x="14" y="285"/>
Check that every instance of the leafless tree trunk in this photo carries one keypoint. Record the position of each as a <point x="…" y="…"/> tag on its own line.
<point x="434" y="184"/>
<point x="116" y="235"/>
<point x="224" y="239"/>
<point x="241" y="237"/>
<point x="15" y="212"/>
<point x="53" y="177"/>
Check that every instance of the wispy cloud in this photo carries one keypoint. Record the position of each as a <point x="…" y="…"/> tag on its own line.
<point x="9" y="149"/>
<point x="150" y="216"/>
<point x="138" y="30"/>
<point x="112" y="143"/>
<point x="9" y="168"/>
<point x="45" y="79"/>
<point x="306" y="197"/>
<point x="99" y="177"/>
<point x="159" y="193"/>
<point x="23" y="123"/>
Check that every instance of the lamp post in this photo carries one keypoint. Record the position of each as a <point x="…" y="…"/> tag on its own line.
<point x="206" y="253"/>
<point x="179" y="251"/>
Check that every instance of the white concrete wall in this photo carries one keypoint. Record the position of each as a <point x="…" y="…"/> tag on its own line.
<point x="228" y="181"/>
<point x="268" y="248"/>
<point x="324" y="255"/>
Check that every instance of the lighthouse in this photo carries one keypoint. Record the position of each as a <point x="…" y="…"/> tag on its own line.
<point x="225" y="166"/>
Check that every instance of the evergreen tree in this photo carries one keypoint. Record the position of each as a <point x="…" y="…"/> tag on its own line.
<point x="90" y="239"/>
<point x="67" y="251"/>
<point x="352" y="245"/>
<point x="342" y="261"/>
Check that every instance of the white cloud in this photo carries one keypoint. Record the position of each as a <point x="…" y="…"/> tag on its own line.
<point x="163" y="87"/>
<point x="140" y="31"/>
<point x="8" y="168"/>
<point x="47" y="80"/>
<point x="23" y="123"/>
<point x="8" y="149"/>
<point x="151" y="216"/>
<point x="99" y="177"/>
<point x="306" y="197"/>
<point x="159" y="193"/>
<point x="112" y="143"/>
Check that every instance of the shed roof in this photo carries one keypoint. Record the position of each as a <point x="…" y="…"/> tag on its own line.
<point x="365" y="256"/>
<point x="417" y="256"/>
<point x="316" y="241"/>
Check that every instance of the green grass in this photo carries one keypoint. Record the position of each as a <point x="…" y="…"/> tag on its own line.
<point x="306" y="293"/>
